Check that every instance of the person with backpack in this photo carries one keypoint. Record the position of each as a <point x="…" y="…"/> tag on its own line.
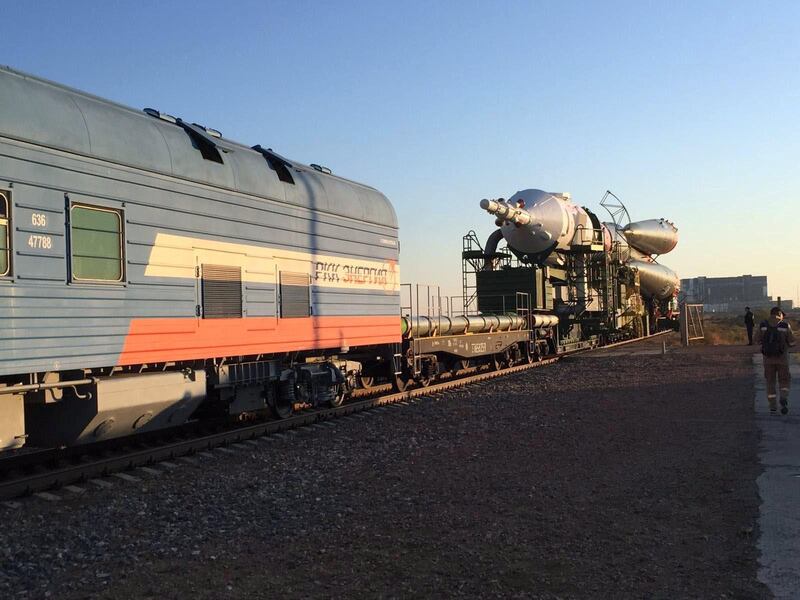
<point x="775" y="337"/>
<point x="749" y="323"/>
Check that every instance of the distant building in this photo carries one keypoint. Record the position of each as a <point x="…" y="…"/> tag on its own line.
<point x="730" y="294"/>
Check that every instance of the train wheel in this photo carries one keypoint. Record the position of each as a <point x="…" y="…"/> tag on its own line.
<point x="336" y="395"/>
<point x="401" y="382"/>
<point x="532" y="355"/>
<point x="283" y="403"/>
<point x="458" y="366"/>
<point x="429" y="373"/>
<point x="367" y="382"/>
<point x="497" y="362"/>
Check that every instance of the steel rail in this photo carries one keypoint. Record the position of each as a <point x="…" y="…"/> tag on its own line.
<point x="73" y="473"/>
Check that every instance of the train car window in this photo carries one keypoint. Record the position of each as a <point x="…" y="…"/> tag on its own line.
<point x="96" y="244"/>
<point x="5" y="234"/>
<point x="295" y="296"/>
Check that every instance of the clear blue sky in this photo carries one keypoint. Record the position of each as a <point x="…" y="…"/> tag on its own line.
<point x="686" y="110"/>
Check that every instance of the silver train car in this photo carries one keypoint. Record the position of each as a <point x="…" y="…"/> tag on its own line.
<point x="149" y="265"/>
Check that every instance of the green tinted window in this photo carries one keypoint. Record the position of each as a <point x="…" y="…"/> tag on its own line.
<point x="96" y="244"/>
<point x="4" y="235"/>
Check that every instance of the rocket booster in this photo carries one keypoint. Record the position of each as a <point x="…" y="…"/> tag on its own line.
<point x="654" y="236"/>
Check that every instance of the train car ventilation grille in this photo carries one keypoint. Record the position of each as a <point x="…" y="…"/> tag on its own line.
<point x="295" y="295"/>
<point x="222" y="292"/>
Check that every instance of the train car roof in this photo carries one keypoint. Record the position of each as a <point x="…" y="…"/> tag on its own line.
<point x="55" y="116"/>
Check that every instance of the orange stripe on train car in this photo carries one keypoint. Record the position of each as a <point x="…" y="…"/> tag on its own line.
<point x="162" y="340"/>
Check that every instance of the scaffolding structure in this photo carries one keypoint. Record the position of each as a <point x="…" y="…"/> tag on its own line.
<point x="474" y="259"/>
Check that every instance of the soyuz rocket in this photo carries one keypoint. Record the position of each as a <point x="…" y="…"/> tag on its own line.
<point x="540" y="227"/>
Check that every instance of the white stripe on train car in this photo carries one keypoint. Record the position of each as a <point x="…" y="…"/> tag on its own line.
<point x="176" y="256"/>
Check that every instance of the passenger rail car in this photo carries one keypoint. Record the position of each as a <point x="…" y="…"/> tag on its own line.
<point x="148" y="265"/>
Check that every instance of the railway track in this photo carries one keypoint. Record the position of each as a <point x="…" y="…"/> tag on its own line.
<point x="50" y="469"/>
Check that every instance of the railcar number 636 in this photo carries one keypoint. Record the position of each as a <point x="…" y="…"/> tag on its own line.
<point x="36" y="241"/>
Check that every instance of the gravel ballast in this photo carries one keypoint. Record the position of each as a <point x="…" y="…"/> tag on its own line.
<point x="618" y="474"/>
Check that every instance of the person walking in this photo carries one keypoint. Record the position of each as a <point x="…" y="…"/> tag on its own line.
<point x="749" y="322"/>
<point x="775" y="336"/>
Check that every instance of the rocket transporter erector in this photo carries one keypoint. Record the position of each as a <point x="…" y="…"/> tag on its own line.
<point x="540" y="227"/>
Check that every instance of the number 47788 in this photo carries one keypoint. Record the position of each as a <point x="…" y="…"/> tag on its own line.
<point x="44" y="242"/>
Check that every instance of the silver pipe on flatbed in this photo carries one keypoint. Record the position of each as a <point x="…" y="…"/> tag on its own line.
<point x="429" y="326"/>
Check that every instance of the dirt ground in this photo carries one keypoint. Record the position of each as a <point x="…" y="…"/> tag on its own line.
<point x="625" y="474"/>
